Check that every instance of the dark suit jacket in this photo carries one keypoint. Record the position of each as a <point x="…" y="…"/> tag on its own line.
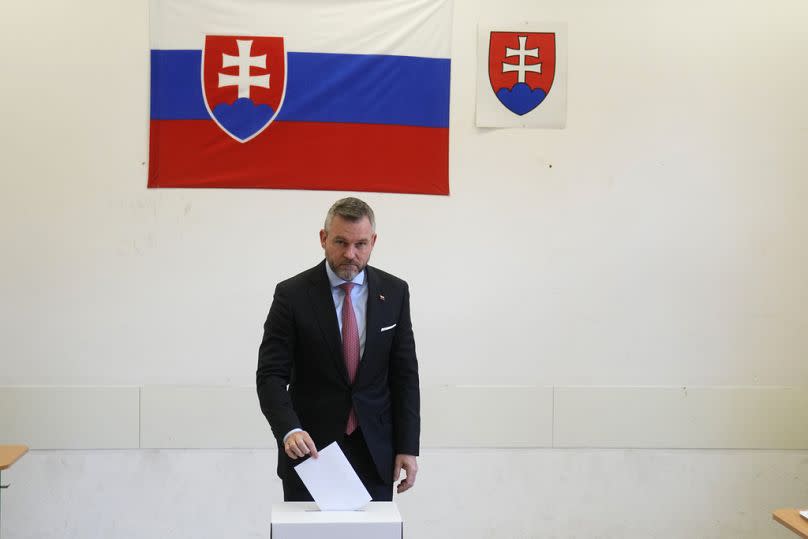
<point x="302" y="347"/>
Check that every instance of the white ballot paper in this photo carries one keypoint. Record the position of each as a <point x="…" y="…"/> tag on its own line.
<point x="332" y="481"/>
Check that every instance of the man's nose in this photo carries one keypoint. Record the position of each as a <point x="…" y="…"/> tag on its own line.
<point x="350" y="252"/>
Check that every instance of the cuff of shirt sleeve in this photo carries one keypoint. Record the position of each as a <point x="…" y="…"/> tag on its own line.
<point x="290" y="433"/>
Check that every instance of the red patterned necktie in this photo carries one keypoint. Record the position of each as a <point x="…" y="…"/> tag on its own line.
<point x="350" y="346"/>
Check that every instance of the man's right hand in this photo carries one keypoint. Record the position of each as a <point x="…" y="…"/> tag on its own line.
<point x="299" y="444"/>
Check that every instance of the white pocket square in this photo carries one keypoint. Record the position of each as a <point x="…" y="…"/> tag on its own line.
<point x="388" y="327"/>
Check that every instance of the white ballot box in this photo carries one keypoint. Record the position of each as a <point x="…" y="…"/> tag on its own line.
<point x="303" y="520"/>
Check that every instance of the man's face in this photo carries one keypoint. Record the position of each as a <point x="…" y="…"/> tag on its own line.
<point x="347" y="245"/>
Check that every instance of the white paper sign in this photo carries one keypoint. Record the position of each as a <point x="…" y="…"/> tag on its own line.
<point x="522" y="75"/>
<point x="332" y="481"/>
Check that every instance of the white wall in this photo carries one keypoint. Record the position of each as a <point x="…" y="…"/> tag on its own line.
<point x="657" y="243"/>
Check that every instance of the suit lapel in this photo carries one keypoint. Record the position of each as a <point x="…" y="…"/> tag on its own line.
<point x="323" y="304"/>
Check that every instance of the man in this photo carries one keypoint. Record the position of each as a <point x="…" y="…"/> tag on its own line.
<point x="339" y="335"/>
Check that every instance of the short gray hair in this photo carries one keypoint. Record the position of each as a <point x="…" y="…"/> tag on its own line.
<point x="351" y="209"/>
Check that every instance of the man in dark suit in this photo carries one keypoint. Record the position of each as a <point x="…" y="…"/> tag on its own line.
<point x="337" y="362"/>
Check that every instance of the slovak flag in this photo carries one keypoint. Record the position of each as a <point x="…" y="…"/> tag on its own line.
<point x="339" y="95"/>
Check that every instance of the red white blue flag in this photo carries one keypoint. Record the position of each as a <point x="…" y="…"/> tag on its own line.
<point x="339" y="95"/>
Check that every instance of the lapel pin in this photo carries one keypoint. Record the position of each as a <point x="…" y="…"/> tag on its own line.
<point x="381" y="297"/>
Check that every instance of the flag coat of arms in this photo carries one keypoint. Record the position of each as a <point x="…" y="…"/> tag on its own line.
<point x="340" y="95"/>
<point x="243" y="104"/>
<point x="522" y="75"/>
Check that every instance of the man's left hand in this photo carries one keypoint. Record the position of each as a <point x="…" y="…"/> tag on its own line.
<point x="410" y="466"/>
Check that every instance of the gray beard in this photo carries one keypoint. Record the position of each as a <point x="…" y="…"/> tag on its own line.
<point x="345" y="275"/>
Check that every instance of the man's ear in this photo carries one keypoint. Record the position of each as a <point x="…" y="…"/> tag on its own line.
<point x="323" y="237"/>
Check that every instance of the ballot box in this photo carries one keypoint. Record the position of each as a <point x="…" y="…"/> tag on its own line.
<point x="303" y="520"/>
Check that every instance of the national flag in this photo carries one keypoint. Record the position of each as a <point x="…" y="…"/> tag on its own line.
<point x="328" y="94"/>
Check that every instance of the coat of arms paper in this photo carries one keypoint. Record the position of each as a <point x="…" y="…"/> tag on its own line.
<point x="522" y="75"/>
